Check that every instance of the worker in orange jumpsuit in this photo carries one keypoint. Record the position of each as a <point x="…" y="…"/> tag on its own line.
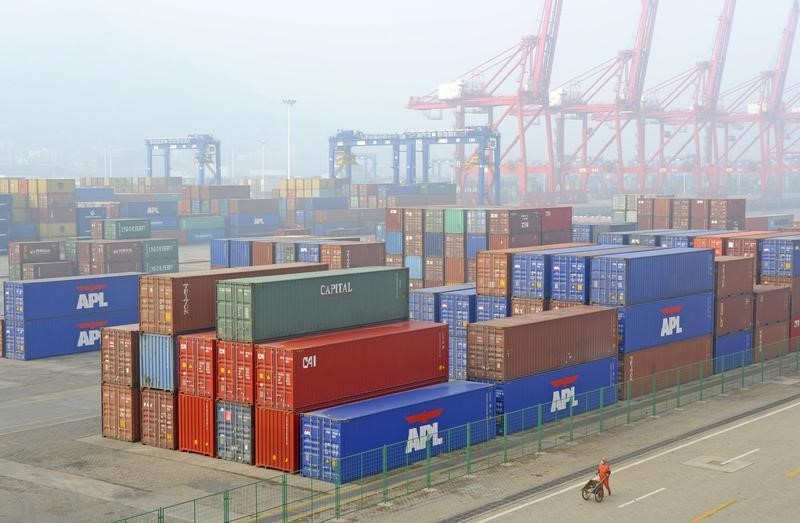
<point x="604" y="473"/>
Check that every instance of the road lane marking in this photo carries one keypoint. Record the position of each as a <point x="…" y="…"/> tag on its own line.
<point x="631" y="502"/>
<point x="793" y="473"/>
<point x="713" y="511"/>
<point x="641" y="461"/>
<point x="738" y="457"/>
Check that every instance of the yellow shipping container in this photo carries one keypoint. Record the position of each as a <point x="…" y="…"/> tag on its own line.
<point x="57" y="230"/>
<point x="283" y="193"/>
<point x="33" y="200"/>
<point x="63" y="185"/>
<point x="19" y="215"/>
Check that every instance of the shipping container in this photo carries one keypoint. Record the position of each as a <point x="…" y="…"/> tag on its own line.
<point x="196" y="424"/>
<point x="75" y="296"/>
<point x="297" y="304"/>
<point x="235" y="372"/>
<point x="639" y="277"/>
<point x="277" y="439"/>
<point x="326" y="369"/>
<point x="159" y="248"/>
<point x="563" y="392"/>
<point x="510" y="348"/>
<point x="126" y="229"/>
<point x="346" y="255"/>
<point x="770" y="341"/>
<point x="733" y="313"/>
<point x="700" y="214"/>
<point x="793" y="284"/>
<point x="160" y="418"/>
<point x="185" y="302"/>
<point x="457" y="310"/>
<point x="732" y="351"/>
<point x="220" y="253"/>
<point x="781" y="257"/>
<point x="521" y="306"/>
<point x="492" y="308"/>
<point x="119" y="355"/>
<point x="46" y="270"/>
<point x="343" y="444"/>
<point x="121" y="413"/>
<point x="734" y="275"/>
<point x="234" y="431"/>
<point x="637" y="368"/>
<point x="771" y="304"/>
<point x="666" y="321"/>
<point x="425" y="304"/>
<point x="683" y="239"/>
<point x="197" y="364"/>
<point x="158" y="366"/>
<point x="34" y="252"/>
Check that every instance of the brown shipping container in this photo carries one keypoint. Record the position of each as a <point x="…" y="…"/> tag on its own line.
<point x="394" y="260"/>
<point x="184" y="302"/>
<point x="662" y="207"/>
<point x="121" y="412"/>
<point x="262" y="252"/>
<point x="771" y="304"/>
<point x="196" y="425"/>
<point x="559" y="304"/>
<point x="414" y="221"/>
<point x="34" y="252"/>
<point x="347" y="255"/>
<point x="510" y="348"/>
<point x="394" y="220"/>
<point x="638" y="367"/>
<point x="556" y="218"/>
<point x="770" y="341"/>
<point x="733" y="314"/>
<point x="434" y="271"/>
<point x="109" y="251"/>
<point x="700" y="214"/>
<point x="522" y="306"/>
<point x="38" y="271"/>
<point x="119" y="355"/>
<point x="493" y="268"/>
<point x="794" y="289"/>
<point x="159" y="418"/>
<point x="472" y="271"/>
<point x="734" y="275"/>
<point x="277" y="439"/>
<point x="455" y="271"/>
<point x="748" y="244"/>
<point x="681" y="213"/>
<point x="727" y="213"/>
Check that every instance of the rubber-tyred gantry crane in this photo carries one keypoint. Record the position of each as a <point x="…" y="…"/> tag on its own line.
<point x="526" y="68"/>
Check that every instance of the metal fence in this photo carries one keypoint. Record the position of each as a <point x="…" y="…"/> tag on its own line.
<point x="385" y="474"/>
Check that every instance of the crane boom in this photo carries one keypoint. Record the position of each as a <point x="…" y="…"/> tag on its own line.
<point x="641" y="54"/>
<point x="545" y="49"/>
<point x="716" y="66"/>
<point x="775" y="101"/>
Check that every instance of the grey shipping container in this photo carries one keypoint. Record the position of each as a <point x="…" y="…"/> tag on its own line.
<point x="235" y="432"/>
<point x="261" y="309"/>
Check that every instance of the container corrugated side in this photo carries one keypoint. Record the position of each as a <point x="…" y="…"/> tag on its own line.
<point x="734" y="275"/>
<point x="346" y="443"/>
<point x="234" y="432"/>
<point x="160" y="418"/>
<point x="770" y="341"/>
<point x="580" y="385"/>
<point x="733" y="350"/>
<point x="425" y="304"/>
<point x="196" y="424"/>
<point x="457" y="310"/>
<point x="298" y="304"/>
<point x="235" y="372"/>
<point x="733" y="313"/>
<point x="665" y="321"/>
<point x="197" y="370"/>
<point x="119" y="355"/>
<point x="781" y="257"/>
<point x="157" y="362"/>
<point x="510" y="348"/>
<point x="121" y="413"/>
<point x="492" y="307"/>
<point x="628" y="279"/>
<point x="772" y="304"/>
<point x="277" y="439"/>
<point x="240" y="249"/>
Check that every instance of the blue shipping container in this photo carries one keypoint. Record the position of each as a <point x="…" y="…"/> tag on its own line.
<point x="425" y="304"/>
<point x="685" y="239"/>
<point x="781" y="257"/>
<point x="457" y="369"/>
<point x="158" y="362"/>
<point x="148" y="209"/>
<point x="24" y="231"/>
<point x="204" y="236"/>
<point x="284" y="252"/>
<point x="43" y="338"/>
<point x="640" y="277"/>
<point x="570" y="272"/>
<point x="352" y="437"/>
<point x="665" y="321"/>
<point x="240" y="249"/>
<point x="308" y="252"/>
<point x="394" y="243"/>
<point x="613" y="238"/>
<point x="317" y="204"/>
<point x="434" y="244"/>
<point x="414" y="264"/>
<point x="271" y="219"/>
<point x="85" y="215"/>
<point x="457" y="309"/>
<point x="164" y="223"/>
<point x="234" y="432"/>
<point x="70" y="297"/>
<point x="474" y="244"/>
<point x="220" y="253"/>
<point x="581" y="385"/>
<point x="94" y="194"/>
<point x="492" y="307"/>
<point x="733" y="350"/>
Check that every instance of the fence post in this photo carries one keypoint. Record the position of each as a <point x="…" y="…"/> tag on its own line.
<point x="780" y="360"/>
<point x="654" y="394"/>
<point x="385" y="474"/>
<point x="539" y="427"/>
<point x="226" y="506"/>
<point x="628" y="394"/>
<point x="678" y="399"/>
<point x="741" y="354"/>
<point x="428" y="463"/>
<point x="571" y="403"/>
<point x="722" y="380"/>
<point x="505" y="437"/>
<point x="702" y="379"/>
<point x="762" y="364"/>
<point x="797" y="358"/>
<point x="160" y="514"/>
<point x="602" y="407"/>
<point x="336" y="493"/>
<point x="284" y="498"/>
<point x="469" y="449"/>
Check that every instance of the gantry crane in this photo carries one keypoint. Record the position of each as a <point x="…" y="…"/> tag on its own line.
<point x="207" y="154"/>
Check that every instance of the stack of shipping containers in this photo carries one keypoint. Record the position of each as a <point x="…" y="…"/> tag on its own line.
<point x="733" y="323"/>
<point x="780" y="265"/>
<point x="119" y="374"/>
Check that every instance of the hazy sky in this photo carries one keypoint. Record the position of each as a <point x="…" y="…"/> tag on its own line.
<point x="86" y="74"/>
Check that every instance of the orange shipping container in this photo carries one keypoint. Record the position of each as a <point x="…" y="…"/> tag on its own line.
<point x="197" y="355"/>
<point x="277" y="439"/>
<point x="196" y="425"/>
<point x="235" y="372"/>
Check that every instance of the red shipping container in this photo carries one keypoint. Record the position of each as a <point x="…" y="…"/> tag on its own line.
<point x="347" y="255"/>
<point x="196" y="364"/>
<point x="235" y="371"/>
<point x="119" y="355"/>
<point x="748" y="244"/>
<point x="313" y="372"/>
<point x="159" y="419"/>
<point x="455" y="271"/>
<point x="277" y="439"/>
<point x="734" y="275"/>
<point x="262" y="252"/>
<point x="556" y="219"/>
<point x="196" y="425"/>
<point x="733" y="314"/>
<point x="121" y="413"/>
<point x="772" y="305"/>
<point x="770" y="341"/>
<point x="700" y="214"/>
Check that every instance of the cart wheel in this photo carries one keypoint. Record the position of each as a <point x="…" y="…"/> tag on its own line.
<point x="585" y="494"/>
<point x="598" y="496"/>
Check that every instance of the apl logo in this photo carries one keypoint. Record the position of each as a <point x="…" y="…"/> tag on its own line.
<point x="153" y="210"/>
<point x="418" y="436"/>
<point x="258" y="221"/>
<point x="671" y="323"/>
<point x="91" y="296"/>
<point x="564" y="393"/>
<point x="89" y="333"/>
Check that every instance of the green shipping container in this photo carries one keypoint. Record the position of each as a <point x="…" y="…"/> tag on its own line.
<point x="14" y="271"/>
<point x="126" y="229"/>
<point x="71" y="247"/>
<point x="454" y="221"/>
<point x="162" y="266"/>
<point x="159" y="249"/>
<point x="270" y="307"/>
<point x="201" y="223"/>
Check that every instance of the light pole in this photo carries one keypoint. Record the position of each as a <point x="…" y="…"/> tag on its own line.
<point x="263" y="156"/>
<point x="289" y="102"/>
